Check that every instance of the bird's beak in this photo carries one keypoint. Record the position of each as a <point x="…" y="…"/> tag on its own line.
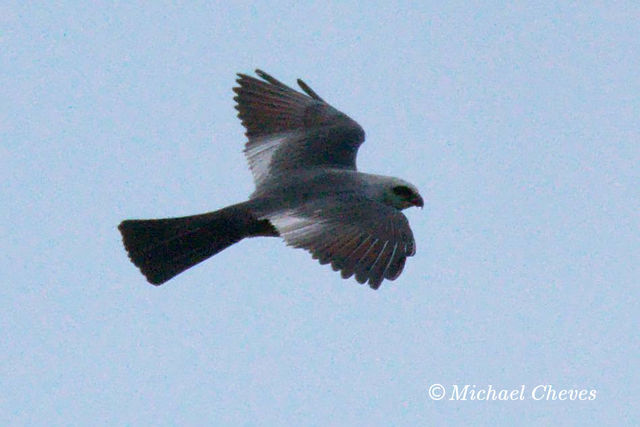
<point x="417" y="201"/>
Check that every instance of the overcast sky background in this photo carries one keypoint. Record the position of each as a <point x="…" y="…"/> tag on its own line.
<point x="519" y="124"/>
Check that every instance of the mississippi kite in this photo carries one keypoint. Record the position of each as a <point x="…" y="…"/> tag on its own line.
<point x="302" y="153"/>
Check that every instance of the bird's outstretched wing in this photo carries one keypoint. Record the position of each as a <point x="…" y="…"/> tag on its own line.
<point x="289" y="130"/>
<point x="356" y="235"/>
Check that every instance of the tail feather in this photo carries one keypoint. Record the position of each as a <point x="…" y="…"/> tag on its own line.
<point x="163" y="248"/>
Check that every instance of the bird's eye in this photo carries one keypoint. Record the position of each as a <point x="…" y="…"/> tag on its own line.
<point x="402" y="191"/>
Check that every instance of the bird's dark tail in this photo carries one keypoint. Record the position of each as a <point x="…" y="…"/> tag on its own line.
<point x="163" y="248"/>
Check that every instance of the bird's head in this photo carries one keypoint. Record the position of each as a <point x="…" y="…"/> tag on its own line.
<point x="401" y="195"/>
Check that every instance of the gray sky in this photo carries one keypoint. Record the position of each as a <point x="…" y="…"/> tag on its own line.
<point x="519" y="124"/>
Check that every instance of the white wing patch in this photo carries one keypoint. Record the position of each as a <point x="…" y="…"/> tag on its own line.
<point x="296" y="229"/>
<point x="260" y="151"/>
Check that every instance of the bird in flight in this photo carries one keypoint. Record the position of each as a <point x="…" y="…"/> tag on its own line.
<point x="302" y="154"/>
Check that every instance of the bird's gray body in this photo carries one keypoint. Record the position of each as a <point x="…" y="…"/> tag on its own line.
<point x="299" y="187"/>
<point x="302" y="153"/>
